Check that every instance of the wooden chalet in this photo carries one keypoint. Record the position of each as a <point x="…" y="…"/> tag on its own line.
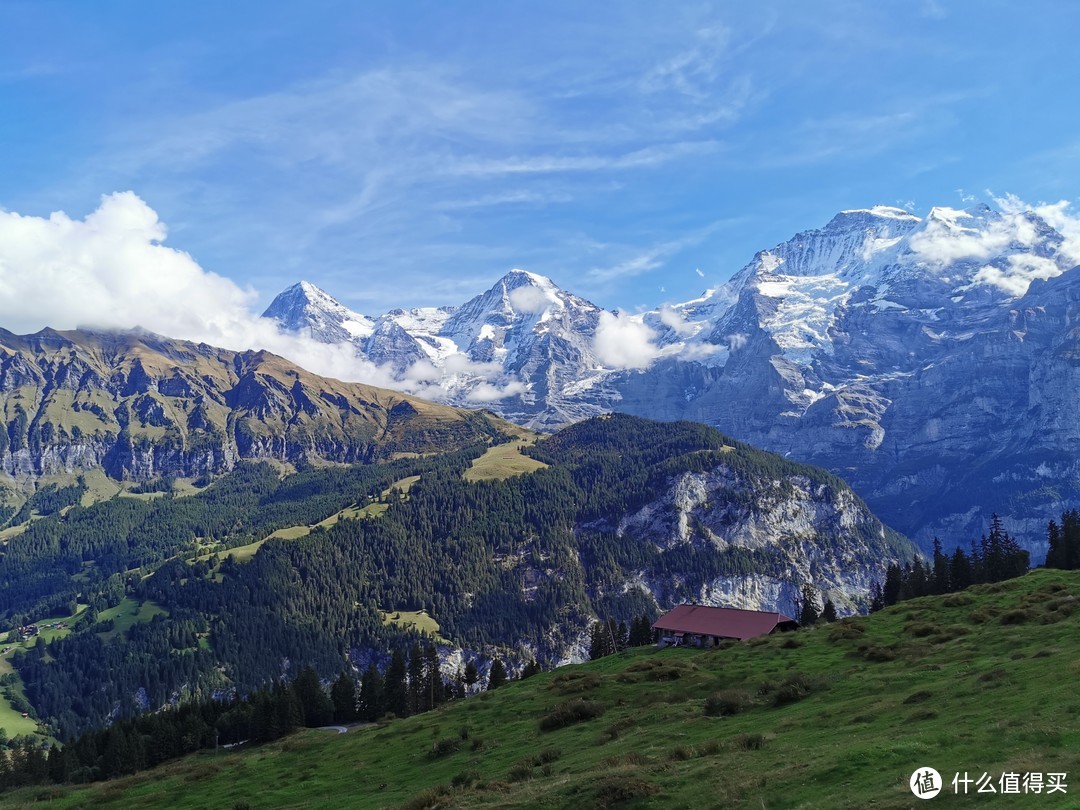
<point x="703" y="626"/>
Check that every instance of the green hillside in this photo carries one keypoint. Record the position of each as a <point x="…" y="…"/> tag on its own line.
<point x="834" y="717"/>
<point x="515" y="565"/>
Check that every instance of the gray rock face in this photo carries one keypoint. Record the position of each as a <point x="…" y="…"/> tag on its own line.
<point x="932" y="362"/>
<point x="810" y="533"/>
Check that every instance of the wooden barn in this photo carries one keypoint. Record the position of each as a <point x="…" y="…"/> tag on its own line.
<point x="703" y="626"/>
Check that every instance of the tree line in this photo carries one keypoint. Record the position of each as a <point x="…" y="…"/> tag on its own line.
<point x="995" y="558"/>
<point x="410" y="684"/>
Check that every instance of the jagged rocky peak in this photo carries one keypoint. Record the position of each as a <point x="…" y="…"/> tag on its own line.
<point x="517" y="294"/>
<point x="306" y="309"/>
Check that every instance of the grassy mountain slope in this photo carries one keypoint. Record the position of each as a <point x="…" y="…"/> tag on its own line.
<point x="834" y="717"/>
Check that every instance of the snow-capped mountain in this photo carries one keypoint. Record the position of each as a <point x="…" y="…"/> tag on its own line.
<point x="523" y="347"/>
<point x="928" y="360"/>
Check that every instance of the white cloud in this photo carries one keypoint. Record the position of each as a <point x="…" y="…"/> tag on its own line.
<point x="624" y="341"/>
<point x="952" y="236"/>
<point x="1015" y="244"/>
<point x="1059" y="217"/>
<point x="698" y="271"/>
<point x="647" y="157"/>
<point x="458" y="363"/>
<point x="529" y="299"/>
<point x="673" y="320"/>
<point x="1018" y="273"/>
<point x="486" y="392"/>
<point x="422" y="371"/>
<point x="736" y="341"/>
<point x="111" y="271"/>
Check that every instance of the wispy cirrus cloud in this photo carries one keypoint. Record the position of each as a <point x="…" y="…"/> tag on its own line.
<point x="645" y="260"/>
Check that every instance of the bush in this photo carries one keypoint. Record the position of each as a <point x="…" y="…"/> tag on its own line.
<point x="681" y="753"/>
<point x="1018" y="616"/>
<point x="750" y="742"/>
<point x="520" y="772"/>
<point x="635" y="758"/>
<point x="444" y="747"/>
<point x="573" y="683"/>
<point x="874" y="652"/>
<point x="794" y="688"/>
<point x="616" y="728"/>
<point x="609" y="791"/>
<point x="958" y="599"/>
<point x="846" y="629"/>
<point x="726" y="702"/>
<point x="570" y="712"/>
<point x="918" y="697"/>
<point x="920" y="629"/>
<point x="549" y="755"/>
<point x="429" y="799"/>
<point x="465" y="778"/>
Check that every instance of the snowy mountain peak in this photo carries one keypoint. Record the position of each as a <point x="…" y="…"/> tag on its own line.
<point x="883" y="212"/>
<point x="521" y="278"/>
<point x="306" y="309"/>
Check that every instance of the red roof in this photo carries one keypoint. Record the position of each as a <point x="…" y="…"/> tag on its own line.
<point x="720" y="622"/>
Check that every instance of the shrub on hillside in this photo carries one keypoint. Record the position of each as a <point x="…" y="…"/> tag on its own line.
<point x="794" y="688"/>
<point x="726" y="702"/>
<point x="750" y="742"/>
<point x="1018" y="616"/>
<point x="610" y="791"/>
<point x="570" y="712"/>
<point x="444" y="747"/>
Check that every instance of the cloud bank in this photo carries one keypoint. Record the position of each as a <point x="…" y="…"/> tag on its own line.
<point x="111" y="270"/>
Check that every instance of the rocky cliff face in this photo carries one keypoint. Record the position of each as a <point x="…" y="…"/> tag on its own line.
<point x="799" y="531"/>
<point x="930" y="361"/>
<point x="139" y="405"/>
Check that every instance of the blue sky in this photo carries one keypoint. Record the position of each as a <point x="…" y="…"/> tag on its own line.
<point x="409" y="153"/>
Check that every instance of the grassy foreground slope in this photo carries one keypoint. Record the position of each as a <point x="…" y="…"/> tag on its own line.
<point x="835" y="717"/>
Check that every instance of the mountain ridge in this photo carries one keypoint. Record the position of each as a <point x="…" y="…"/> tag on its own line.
<point x="140" y="405"/>
<point x="828" y="347"/>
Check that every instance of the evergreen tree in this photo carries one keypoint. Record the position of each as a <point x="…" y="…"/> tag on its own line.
<point x="418" y="693"/>
<point x="941" y="570"/>
<point x="828" y="611"/>
<point x="472" y="674"/>
<point x="808" y="607"/>
<point x="894" y="582"/>
<point x="877" y="596"/>
<point x="433" y="684"/>
<point x="372" y="705"/>
<point x="496" y="675"/>
<point x="960" y="573"/>
<point x="601" y="640"/>
<point x="288" y="714"/>
<point x="315" y="707"/>
<point x="396" y="688"/>
<point x="343" y="696"/>
<point x="530" y="669"/>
